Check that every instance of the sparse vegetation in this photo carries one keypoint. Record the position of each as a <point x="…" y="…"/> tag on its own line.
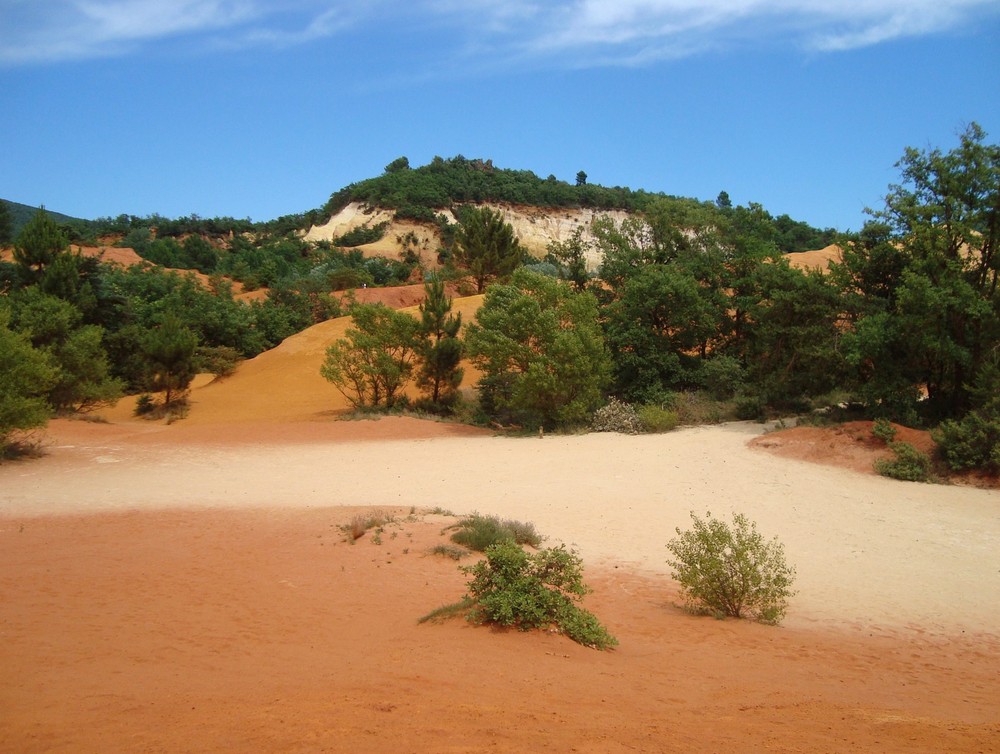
<point x="450" y="551"/>
<point x="731" y="570"/>
<point x="478" y="532"/>
<point x="907" y="464"/>
<point x="516" y="589"/>
<point x="364" y="522"/>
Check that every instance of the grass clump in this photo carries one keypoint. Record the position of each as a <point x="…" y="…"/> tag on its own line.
<point x="450" y="551"/>
<point x="478" y="532"/>
<point x="516" y="589"/>
<point x="732" y="570"/>
<point x="364" y="522"/>
<point x="655" y="419"/>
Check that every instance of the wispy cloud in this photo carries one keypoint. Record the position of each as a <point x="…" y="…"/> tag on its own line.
<point x="567" y="32"/>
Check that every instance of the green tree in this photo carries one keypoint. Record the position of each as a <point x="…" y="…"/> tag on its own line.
<point x="439" y="347"/>
<point x="372" y="365"/>
<point x="169" y="351"/>
<point x="26" y="374"/>
<point x="38" y="244"/>
<point x="6" y="224"/>
<point x="486" y="246"/>
<point x="657" y="330"/>
<point x="793" y="341"/>
<point x="924" y="278"/>
<point x="82" y="372"/>
<point x="571" y="256"/>
<point x="539" y="347"/>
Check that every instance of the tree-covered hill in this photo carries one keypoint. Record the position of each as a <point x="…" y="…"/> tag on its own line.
<point x="422" y="193"/>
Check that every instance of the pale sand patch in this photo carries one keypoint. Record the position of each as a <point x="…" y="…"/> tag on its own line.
<point x="868" y="550"/>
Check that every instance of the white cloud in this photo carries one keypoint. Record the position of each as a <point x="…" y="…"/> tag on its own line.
<point x="568" y="32"/>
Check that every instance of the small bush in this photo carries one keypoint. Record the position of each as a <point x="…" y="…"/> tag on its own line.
<point x="750" y="408"/>
<point x="513" y="588"/>
<point x="478" y="532"/>
<point x="722" y="376"/>
<point x="732" y="570"/>
<point x="883" y="430"/>
<point x="908" y="463"/>
<point x="144" y="405"/>
<point x="973" y="442"/>
<point x="617" y="416"/>
<point x="658" y="419"/>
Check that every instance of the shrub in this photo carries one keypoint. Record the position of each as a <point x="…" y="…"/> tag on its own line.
<point x="363" y="522"/>
<point x="658" y="419"/>
<point x="908" y="463"/>
<point x="973" y="442"/>
<point x="883" y="430"/>
<point x="479" y="532"/>
<point x="616" y="416"/>
<point x="732" y="570"/>
<point x="722" y="376"/>
<point x="513" y="588"/>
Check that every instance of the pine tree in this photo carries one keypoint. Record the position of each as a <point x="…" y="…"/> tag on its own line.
<point x="440" y="347"/>
<point x="38" y="245"/>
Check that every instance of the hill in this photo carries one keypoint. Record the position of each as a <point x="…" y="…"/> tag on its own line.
<point x="21" y="213"/>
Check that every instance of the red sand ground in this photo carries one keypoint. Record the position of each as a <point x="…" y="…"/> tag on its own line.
<point x="264" y="630"/>
<point x="224" y="631"/>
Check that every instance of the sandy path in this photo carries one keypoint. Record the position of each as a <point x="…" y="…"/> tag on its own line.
<point x="867" y="549"/>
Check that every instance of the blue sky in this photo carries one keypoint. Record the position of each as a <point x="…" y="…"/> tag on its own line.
<point x="260" y="108"/>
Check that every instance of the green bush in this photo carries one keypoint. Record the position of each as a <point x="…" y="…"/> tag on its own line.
<point x="883" y="430"/>
<point x="527" y="591"/>
<point x="479" y="532"/>
<point x="973" y="442"/>
<point x="722" y="376"/>
<point x="908" y="463"/>
<point x="658" y="419"/>
<point x="732" y="570"/>
<point x="616" y="416"/>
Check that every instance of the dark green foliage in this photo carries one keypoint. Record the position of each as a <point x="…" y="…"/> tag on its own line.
<point x="439" y="348"/>
<point x="485" y="245"/>
<point x="38" y="244"/>
<point x="973" y="442"/>
<point x="373" y="363"/>
<point x="478" y="532"/>
<point x="529" y="591"/>
<point x="570" y="256"/>
<point x="732" y="570"/>
<point x="83" y="377"/>
<point x="26" y="375"/>
<point x="921" y="283"/>
<point x="416" y="192"/>
<point x="657" y="327"/>
<point x="792" y="349"/>
<point x="539" y="347"/>
<point x="169" y="351"/>
<point x="361" y="235"/>
<point x="6" y="224"/>
<point x="907" y="464"/>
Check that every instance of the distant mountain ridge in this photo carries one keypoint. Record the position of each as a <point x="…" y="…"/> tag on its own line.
<point x="21" y="213"/>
